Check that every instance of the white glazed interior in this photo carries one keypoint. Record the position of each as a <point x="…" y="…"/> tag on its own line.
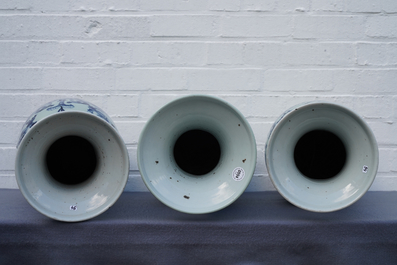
<point x="178" y="189"/>
<point x="322" y="195"/>
<point x="91" y="197"/>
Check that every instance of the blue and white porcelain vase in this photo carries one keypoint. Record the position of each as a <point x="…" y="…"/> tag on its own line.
<point x="71" y="163"/>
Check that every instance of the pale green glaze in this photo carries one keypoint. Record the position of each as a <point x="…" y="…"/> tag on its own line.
<point x="178" y="189"/>
<point x="322" y="195"/>
<point x="79" y="202"/>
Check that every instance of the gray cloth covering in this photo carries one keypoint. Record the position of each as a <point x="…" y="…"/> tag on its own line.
<point x="259" y="228"/>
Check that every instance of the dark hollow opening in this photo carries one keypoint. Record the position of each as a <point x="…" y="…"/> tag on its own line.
<point x="71" y="160"/>
<point x="320" y="154"/>
<point x="197" y="152"/>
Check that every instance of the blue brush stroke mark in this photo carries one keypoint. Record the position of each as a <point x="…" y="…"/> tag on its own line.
<point x="97" y="112"/>
<point x="62" y="105"/>
<point x="28" y="124"/>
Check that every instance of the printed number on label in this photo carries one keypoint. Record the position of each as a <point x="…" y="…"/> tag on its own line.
<point x="365" y="169"/>
<point x="238" y="174"/>
<point x="73" y="207"/>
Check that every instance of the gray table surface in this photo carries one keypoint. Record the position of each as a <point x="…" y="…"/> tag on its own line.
<point x="259" y="228"/>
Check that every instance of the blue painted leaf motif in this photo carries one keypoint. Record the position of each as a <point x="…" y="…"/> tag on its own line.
<point x="91" y="109"/>
<point x="44" y="107"/>
<point x="28" y="124"/>
<point x="62" y="105"/>
<point x="99" y="113"/>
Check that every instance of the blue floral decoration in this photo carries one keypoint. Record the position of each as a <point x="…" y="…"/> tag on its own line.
<point x="95" y="111"/>
<point x="28" y="124"/>
<point x="60" y="106"/>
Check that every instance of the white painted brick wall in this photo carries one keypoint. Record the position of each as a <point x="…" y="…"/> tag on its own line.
<point x="132" y="57"/>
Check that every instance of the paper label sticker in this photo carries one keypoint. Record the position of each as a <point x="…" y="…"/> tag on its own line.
<point x="238" y="174"/>
<point x="73" y="207"/>
<point x="365" y="169"/>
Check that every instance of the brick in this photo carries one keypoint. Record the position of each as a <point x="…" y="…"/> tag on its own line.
<point x="18" y="105"/>
<point x="256" y="26"/>
<point x="13" y="52"/>
<point x="385" y="159"/>
<point x="329" y="27"/>
<point x="155" y="79"/>
<point x="346" y="101"/>
<point x="132" y="153"/>
<point x="374" y="107"/>
<point x="293" y="5"/>
<point x="117" y="27"/>
<point x="260" y="169"/>
<point x="73" y="27"/>
<point x="41" y="27"/>
<point x="122" y="105"/>
<point x="364" y="6"/>
<point x="389" y="6"/>
<point x="224" y="5"/>
<point x="80" y="52"/>
<point x="240" y="102"/>
<point x="174" y="5"/>
<point x="7" y="158"/>
<point x="224" y="79"/>
<point x="273" y="106"/>
<point x="45" y="6"/>
<point x="8" y="181"/>
<point x="151" y="103"/>
<point x="262" y="54"/>
<point x="394" y="107"/>
<point x="169" y="53"/>
<point x="116" y="106"/>
<point x="150" y="79"/>
<point x="261" y="131"/>
<point x="384" y="132"/>
<point x="225" y="53"/>
<point x="393" y="159"/>
<point x="20" y="78"/>
<point x="184" y="26"/>
<point x="381" y="26"/>
<point x="10" y="131"/>
<point x="378" y="54"/>
<point x="44" y="52"/>
<point x="130" y="131"/>
<point x="130" y="58"/>
<point x="21" y="105"/>
<point x="15" y="5"/>
<point x="98" y="52"/>
<point x="258" y="5"/>
<point x="371" y="81"/>
<point x="69" y="79"/>
<point x="301" y="80"/>
<point x="340" y="54"/>
<point x="102" y="5"/>
<point x="328" y="5"/>
<point x="111" y="53"/>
